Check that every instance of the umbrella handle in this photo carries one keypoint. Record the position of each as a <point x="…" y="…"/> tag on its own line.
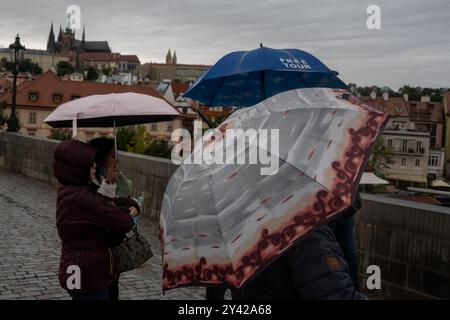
<point x="74" y="129"/>
<point x="115" y="139"/>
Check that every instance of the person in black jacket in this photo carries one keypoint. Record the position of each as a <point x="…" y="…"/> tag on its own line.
<point x="344" y="229"/>
<point x="312" y="269"/>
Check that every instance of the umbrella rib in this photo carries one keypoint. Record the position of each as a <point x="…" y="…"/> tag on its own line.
<point x="214" y="96"/>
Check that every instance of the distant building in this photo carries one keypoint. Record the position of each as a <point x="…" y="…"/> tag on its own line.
<point x="414" y="136"/>
<point x="171" y="70"/>
<point x="38" y="98"/>
<point x="446" y="103"/>
<point x="45" y="59"/>
<point x="105" y="61"/>
<point x="66" y="42"/>
<point x="409" y="151"/>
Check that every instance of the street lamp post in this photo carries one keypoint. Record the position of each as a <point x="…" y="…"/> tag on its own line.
<point x="16" y="51"/>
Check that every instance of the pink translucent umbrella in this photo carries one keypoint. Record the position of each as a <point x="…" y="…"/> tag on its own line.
<point x="111" y="110"/>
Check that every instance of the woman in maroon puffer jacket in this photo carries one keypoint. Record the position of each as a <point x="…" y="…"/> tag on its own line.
<point x="82" y="218"/>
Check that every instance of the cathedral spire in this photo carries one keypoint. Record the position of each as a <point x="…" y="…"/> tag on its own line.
<point x="169" y="57"/>
<point x="83" y="39"/>
<point x="174" y="58"/>
<point x="51" y="40"/>
<point x="60" y="33"/>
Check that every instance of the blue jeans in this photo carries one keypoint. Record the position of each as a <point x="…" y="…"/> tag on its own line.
<point x="343" y="228"/>
<point x="95" y="295"/>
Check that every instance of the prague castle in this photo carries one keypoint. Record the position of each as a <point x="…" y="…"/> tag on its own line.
<point x="66" y="42"/>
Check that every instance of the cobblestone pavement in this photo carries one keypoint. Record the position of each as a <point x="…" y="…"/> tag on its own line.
<point x="29" y="248"/>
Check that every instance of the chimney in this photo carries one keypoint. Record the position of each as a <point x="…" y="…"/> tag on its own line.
<point x="405" y="96"/>
<point x="425" y="99"/>
<point x="385" y="96"/>
<point x="373" y="95"/>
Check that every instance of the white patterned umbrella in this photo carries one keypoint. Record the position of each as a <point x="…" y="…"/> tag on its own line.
<point x="221" y="224"/>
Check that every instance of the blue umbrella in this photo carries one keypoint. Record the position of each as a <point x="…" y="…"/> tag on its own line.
<point x="244" y="78"/>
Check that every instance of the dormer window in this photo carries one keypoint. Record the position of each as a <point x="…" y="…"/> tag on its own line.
<point x="57" y="98"/>
<point x="33" y="96"/>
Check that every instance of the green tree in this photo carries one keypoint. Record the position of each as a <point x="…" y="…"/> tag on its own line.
<point x="124" y="137"/>
<point x="380" y="159"/>
<point x="25" y="66"/>
<point x="64" y="67"/>
<point x="60" y="134"/>
<point x="158" y="148"/>
<point x="92" y="74"/>
<point x="107" y="71"/>
<point x="4" y="64"/>
<point x="139" y="141"/>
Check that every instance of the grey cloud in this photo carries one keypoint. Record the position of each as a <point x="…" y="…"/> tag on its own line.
<point x="411" y="48"/>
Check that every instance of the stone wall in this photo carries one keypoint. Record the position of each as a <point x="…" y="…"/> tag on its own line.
<point x="409" y="241"/>
<point x="33" y="157"/>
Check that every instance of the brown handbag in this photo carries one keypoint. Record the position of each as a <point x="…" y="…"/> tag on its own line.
<point x="133" y="252"/>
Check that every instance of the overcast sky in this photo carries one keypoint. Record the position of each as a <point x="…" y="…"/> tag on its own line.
<point x="413" y="46"/>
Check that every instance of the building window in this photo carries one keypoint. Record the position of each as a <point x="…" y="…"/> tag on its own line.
<point x="32" y="117"/>
<point x="57" y="98"/>
<point x="389" y="144"/>
<point x="404" y="145"/>
<point x="433" y="160"/>
<point x="31" y="133"/>
<point x="403" y="161"/>
<point x="418" y="146"/>
<point x="33" y="96"/>
<point x="153" y="127"/>
<point x="433" y="135"/>
<point x="417" y="162"/>
<point x="170" y="126"/>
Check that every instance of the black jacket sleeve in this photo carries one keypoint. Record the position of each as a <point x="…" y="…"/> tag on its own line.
<point x="319" y="270"/>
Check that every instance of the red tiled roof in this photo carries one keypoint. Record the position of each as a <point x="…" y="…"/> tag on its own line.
<point x="103" y="56"/>
<point x="5" y="84"/>
<point x="394" y="106"/>
<point x="49" y="84"/>
<point x="129" y="58"/>
<point x="179" y="88"/>
<point x="435" y="108"/>
<point x="153" y="84"/>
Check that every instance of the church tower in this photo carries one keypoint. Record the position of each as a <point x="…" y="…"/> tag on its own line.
<point x="51" y="40"/>
<point x="174" y="58"/>
<point x="169" y="57"/>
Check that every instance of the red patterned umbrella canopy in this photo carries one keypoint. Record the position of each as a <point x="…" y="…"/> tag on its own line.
<point x="223" y="223"/>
